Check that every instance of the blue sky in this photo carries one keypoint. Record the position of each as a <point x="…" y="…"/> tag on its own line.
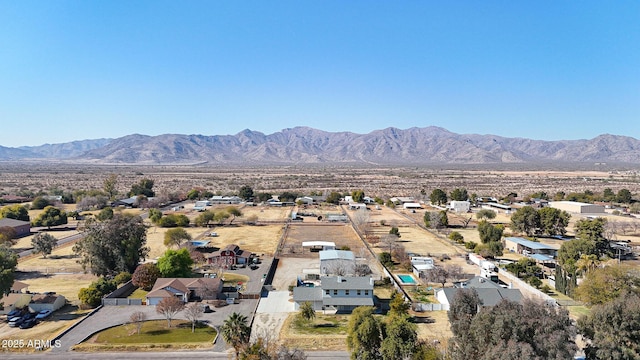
<point x="72" y="70"/>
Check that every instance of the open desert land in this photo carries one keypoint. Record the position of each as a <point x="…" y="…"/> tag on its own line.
<point x="375" y="181"/>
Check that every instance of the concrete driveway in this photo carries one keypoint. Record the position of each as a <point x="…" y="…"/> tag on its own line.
<point x="272" y="311"/>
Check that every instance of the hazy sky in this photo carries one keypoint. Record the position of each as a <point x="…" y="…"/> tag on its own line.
<point x="72" y="70"/>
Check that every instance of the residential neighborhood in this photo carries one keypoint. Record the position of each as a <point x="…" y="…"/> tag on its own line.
<point x="268" y="268"/>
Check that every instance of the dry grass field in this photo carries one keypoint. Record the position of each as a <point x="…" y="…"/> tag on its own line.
<point x="260" y="239"/>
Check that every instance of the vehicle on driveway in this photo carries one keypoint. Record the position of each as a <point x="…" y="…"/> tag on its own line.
<point x="16" y="321"/>
<point x="14" y="313"/>
<point x="43" y="314"/>
<point x="29" y="323"/>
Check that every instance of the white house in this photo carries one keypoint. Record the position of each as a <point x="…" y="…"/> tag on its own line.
<point x="411" y="206"/>
<point x="319" y="245"/>
<point x="459" y="206"/>
<point x="336" y="292"/>
<point x="421" y="264"/>
<point x="47" y="301"/>
<point x="357" y="206"/>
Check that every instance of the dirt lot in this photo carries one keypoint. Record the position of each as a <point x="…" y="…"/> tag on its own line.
<point x="342" y="234"/>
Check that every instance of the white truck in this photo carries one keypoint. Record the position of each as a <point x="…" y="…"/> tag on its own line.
<point x="487" y="269"/>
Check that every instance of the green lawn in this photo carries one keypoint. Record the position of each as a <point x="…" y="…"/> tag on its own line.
<point x="139" y="294"/>
<point x="322" y="325"/>
<point x="234" y="278"/>
<point x="156" y="332"/>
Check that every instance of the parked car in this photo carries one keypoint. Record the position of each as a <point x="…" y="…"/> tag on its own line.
<point x="16" y="321"/>
<point x="29" y="323"/>
<point x="213" y="234"/>
<point x="43" y="314"/>
<point x="13" y="313"/>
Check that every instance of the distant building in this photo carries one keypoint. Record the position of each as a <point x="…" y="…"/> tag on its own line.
<point x="411" y="206"/>
<point x="577" y="207"/>
<point x="22" y="228"/>
<point x="225" y="200"/>
<point x="539" y="251"/>
<point x="459" y="206"/>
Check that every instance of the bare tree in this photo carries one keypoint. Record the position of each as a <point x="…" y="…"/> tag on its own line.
<point x="361" y="219"/>
<point x="390" y="241"/>
<point x="169" y="307"/>
<point x="193" y="311"/>
<point x="339" y="268"/>
<point x="438" y="274"/>
<point x="138" y="317"/>
<point x="361" y="270"/>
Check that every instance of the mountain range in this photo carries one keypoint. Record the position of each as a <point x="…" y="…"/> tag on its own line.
<point x="304" y="145"/>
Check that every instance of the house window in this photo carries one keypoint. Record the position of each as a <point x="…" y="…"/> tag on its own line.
<point x="326" y="292"/>
<point x="366" y="292"/>
<point x="335" y="292"/>
<point x="359" y="292"/>
<point x="346" y="292"/>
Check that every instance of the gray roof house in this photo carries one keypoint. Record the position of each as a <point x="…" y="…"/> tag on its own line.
<point x="489" y="292"/>
<point x="342" y="294"/>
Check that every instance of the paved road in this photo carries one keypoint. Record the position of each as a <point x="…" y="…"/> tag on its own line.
<point x="312" y="355"/>
<point x="109" y="316"/>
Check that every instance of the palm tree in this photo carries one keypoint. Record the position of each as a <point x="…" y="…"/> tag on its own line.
<point x="587" y="263"/>
<point x="235" y="331"/>
<point x="307" y="311"/>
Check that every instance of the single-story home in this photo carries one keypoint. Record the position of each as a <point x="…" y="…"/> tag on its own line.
<point x="319" y="245"/>
<point x="217" y="199"/>
<point x="357" y="206"/>
<point x="201" y="205"/>
<point x="185" y="289"/>
<point x="229" y="256"/>
<point x="528" y="248"/>
<point x="47" y="301"/>
<point x="420" y="265"/>
<point x="22" y="228"/>
<point x="577" y="207"/>
<point x="14" y="300"/>
<point x="459" y="206"/>
<point x="336" y="293"/>
<point x="402" y="200"/>
<point x="489" y="292"/>
<point x="411" y="206"/>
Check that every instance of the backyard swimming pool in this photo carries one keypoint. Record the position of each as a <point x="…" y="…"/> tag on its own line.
<point x="407" y="279"/>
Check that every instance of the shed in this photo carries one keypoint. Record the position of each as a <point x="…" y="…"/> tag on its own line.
<point x="22" y="228"/>
<point x="47" y="301"/>
<point x="577" y="207"/>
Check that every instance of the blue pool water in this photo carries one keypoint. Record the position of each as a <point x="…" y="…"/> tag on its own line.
<point x="406" y="279"/>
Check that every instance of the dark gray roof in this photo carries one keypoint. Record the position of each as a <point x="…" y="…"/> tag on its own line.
<point x="346" y="282"/>
<point x="303" y="293"/>
<point x="490" y="297"/>
<point x="12" y="222"/>
<point x="479" y="282"/>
